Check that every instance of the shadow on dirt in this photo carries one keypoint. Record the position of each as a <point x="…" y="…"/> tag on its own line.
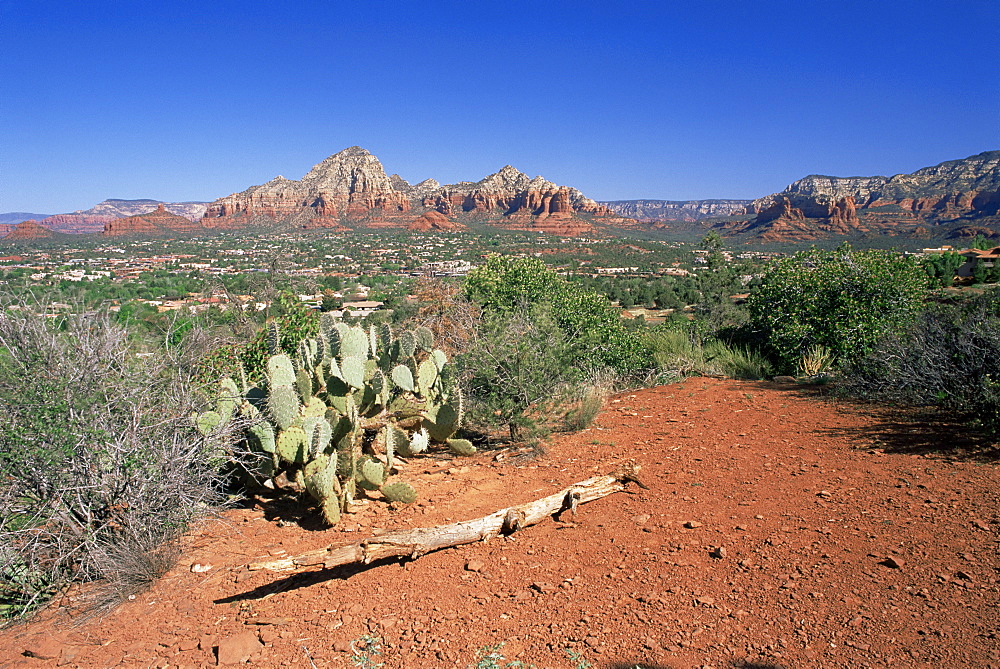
<point x="734" y="664"/>
<point x="306" y="579"/>
<point x="920" y="432"/>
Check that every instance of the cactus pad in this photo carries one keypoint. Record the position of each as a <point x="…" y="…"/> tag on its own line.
<point x="283" y="403"/>
<point x="291" y="445"/>
<point x="403" y="377"/>
<point x="280" y="371"/>
<point x="461" y="446"/>
<point x="399" y="492"/>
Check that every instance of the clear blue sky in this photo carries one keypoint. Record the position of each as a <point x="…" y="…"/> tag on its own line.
<point x="194" y="100"/>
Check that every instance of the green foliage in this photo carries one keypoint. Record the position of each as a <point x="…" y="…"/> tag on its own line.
<point x="941" y="268"/>
<point x="295" y="323"/>
<point x="364" y="651"/>
<point x="950" y="357"/>
<point x="592" y="330"/>
<point x="844" y="300"/>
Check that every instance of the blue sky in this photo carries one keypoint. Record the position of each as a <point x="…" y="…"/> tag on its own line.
<point x="665" y="100"/>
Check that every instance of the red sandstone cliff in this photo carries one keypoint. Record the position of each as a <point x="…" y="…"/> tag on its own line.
<point x="159" y="222"/>
<point x="28" y="231"/>
<point x="955" y="192"/>
<point x="351" y="190"/>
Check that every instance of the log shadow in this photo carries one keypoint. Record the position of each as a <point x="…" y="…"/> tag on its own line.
<point x="307" y="579"/>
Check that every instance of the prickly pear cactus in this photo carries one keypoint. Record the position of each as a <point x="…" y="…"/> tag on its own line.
<point x="338" y="414"/>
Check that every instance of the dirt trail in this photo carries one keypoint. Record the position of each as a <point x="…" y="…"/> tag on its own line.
<point x="780" y="529"/>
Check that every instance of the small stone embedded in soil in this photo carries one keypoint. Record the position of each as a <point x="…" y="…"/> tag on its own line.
<point x="693" y="524"/>
<point x="718" y="552"/>
<point x="641" y="519"/>
<point x="893" y="562"/>
<point x="45" y="648"/>
<point x="342" y="646"/>
<point x="475" y="565"/>
<point x="199" y="568"/>
<point x="705" y="601"/>
<point x="238" y="648"/>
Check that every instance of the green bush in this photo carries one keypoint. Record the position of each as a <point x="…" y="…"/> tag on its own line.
<point x="950" y="357"/>
<point x="101" y="467"/>
<point x="520" y="372"/>
<point x="844" y="300"/>
<point x="593" y="332"/>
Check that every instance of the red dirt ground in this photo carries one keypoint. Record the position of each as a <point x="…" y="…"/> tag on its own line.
<point x="851" y="537"/>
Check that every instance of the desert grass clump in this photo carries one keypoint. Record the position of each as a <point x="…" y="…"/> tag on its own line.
<point x="101" y="467"/>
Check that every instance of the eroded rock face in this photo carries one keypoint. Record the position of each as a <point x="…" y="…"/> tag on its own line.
<point x="351" y="189"/>
<point x="95" y="218"/>
<point x="818" y="206"/>
<point x="676" y="210"/>
<point x="27" y="231"/>
<point x="158" y="222"/>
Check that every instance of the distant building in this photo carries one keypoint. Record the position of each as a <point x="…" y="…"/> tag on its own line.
<point x="362" y="308"/>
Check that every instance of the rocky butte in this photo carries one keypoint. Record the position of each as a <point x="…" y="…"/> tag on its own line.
<point x="28" y="231"/>
<point x="159" y="222"/>
<point x="350" y="190"/>
<point x="95" y="218"/>
<point x="958" y="198"/>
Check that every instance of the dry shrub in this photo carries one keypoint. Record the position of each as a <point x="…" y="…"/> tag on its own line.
<point x="101" y="467"/>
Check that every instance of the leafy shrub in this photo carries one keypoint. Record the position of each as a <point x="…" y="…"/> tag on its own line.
<point x="520" y="372"/>
<point x="950" y="357"/>
<point x="593" y="332"/>
<point x="100" y="465"/>
<point x="844" y="300"/>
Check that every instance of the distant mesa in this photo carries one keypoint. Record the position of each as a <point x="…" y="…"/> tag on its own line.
<point x="98" y="216"/>
<point x="350" y="190"/>
<point x="159" y="222"/>
<point x="28" y="231"/>
<point x="947" y="200"/>
<point x="653" y="211"/>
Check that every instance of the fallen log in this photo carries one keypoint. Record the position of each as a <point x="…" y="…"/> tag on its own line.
<point x="420" y="541"/>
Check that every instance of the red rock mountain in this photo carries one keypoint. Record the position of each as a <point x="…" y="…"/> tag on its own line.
<point x="95" y="218"/>
<point x="27" y="231"/>
<point x="351" y="190"/>
<point x="958" y="194"/>
<point x="159" y="222"/>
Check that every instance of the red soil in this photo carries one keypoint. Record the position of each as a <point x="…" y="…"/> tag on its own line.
<point x="849" y="537"/>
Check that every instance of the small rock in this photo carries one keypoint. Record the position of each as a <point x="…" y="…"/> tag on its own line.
<point x="342" y="646"/>
<point x="892" y="563"/>
<point x="238" y="648"/>
<point x="641" y="519"/>
<point x="718" y="553"/>
<point x="544" y="587"/>
<point x="187" y="644"/>
<point x="475" y="565"/>
<point x="980" y="524"/>
<point x="704" y="601"/>
<point x="199" y="568"/>
<point x="43" y="648"/>
<point x="693" y="524"/>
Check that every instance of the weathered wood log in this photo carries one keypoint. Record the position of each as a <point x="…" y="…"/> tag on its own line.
<point x="416" y="542"/>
